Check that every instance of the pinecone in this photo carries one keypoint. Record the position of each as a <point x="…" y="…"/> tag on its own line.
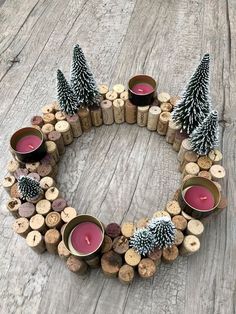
<point x="28" y="187"/>
<point x="142" y="241"/>
<point x="163" y="231"/>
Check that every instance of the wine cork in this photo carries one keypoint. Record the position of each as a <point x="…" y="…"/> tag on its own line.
<point x="13" y="206"/>
<point x="46" y="183"/>
<point x="142" y="223"/>
<point x="53" y="220"/>
<point x="174" y="100"/>
<point x="107" y="112"/>
<point x="161" y="213"/>
<point x="179" y="237"/>
<point x="85" y="119"/>
<point x="59" y="204"/>
<point x="68" y="213"/>
<point x="180" y="222"/>
<point x="103" y="89"/>
<point x="113" y="230"/>
<point x="107" y="244"/>
<point x="179" y="137"/>
<point x="32" y="167"/>
<point x="217" y="172"/>
<point x="147" y="268"/>
<point x="205" y="174"/>
<point x="21" y="226"/>
<point x="128" y="229"/>
<point x="191" y="168"/>
<point x="43" y="207"/>
<point x="120" y="245"/>
<point x="111" y="263"/>
<point x="96" y="116"/>
<point x="173" y="208"/>
<point x="12" y="166"/>
<point x="48" y="160"/>
<point x="189" y="156"/>
<point x="52" y="239"/>
<point x="47" y="128"/>
<point x="56" y="137"/>
<point x="52" y="193"/>
<point x="153" y="116"/>
<point x="60" y="116"/>
<point x="45" y="170"/>
<point x="49" y="118"/>
<point x="130" y="112"/>
<point x="155" y="256"/>
<point x="37" y="120"/>
<point x="126" y="274"/>
<point x="37" y="222"/>
<point x="76" y="265"/>
<point x="166" y="107"/>
<point x="195" y="227"/>
<point x="64" y="128"/>
<point x="142" y="115"/>
<point x="111" y="95"/>
<point x="20" y="172"/>
<point x="118" y="88"/>
<point x="27" y="210"/>
<point x="190" y="245"/>
<point x="170" y="254"/>
<point x="204" y="163"/>
<point x="132" y="257"/>
<point x="163" y="97"/>
<point x="62" y="251"/>
<point x="52" y="150"/>
<point x="119" y="110"/>
<point x="215" y="156"/>
<point x="163" y="122"/>
<point x="35" y="241"/>
<point x="14" y="191"/>
<point x="48" y="109"/>
<point x="8" y="182"/>
<point x="124" y="96"/>
<point x="186" y="216"/>
<point x="185" y="146"/>
<point x="171" y="131"/>
<point x="93" y="262"/>
<point x="75" y="125"/>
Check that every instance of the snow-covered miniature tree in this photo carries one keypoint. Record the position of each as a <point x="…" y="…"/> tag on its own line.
<point x="163" y="231"/>
<point x="206" y="136"/>
<point x="82" y="80"/>
<point x="142" y="241"/>
<point x="28" y="187"/>
<point x="66" y="97"/>
<point x="194" y="104"/>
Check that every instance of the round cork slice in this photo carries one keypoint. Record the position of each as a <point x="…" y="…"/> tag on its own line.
<point x="166" y="107"/>
<point x="179" y="237"/>
<point x="170" y="254"/>
<point x="126" y="274"/>
<point x="43" y="207"/>
<point x="163" y="97"/>
<point x="217" y="172"/>
<point x="190" y="156"/>
<point x="147" y="268"/>
<point x="76" y="265"/>
<point x="14" y="191"/>
<point x="142" y="223"/>
<point x="107" y="244"/>
<point x="103" y="89"/>
<point x="155" y="255"/>
<point x="124" y="96"/>
<point x="48" y="109"/>
<point x="68" y="213"/>
<point x="47" y="128"/>
<point x="173" y="208"/>
<point x="53" y="220"/>
<point x="8" y="182"/>
<point x="13" y="206"/>
<point x="118" y="103"/>
<point x="49" y="118"/>
<point x="128" y="229"/>
<point x="195" y="227"/>
<point x="190" y="245"/>
<point x="37" y="222"/>
<point x="180" y="222"/>
<point x="52" y="239"/>
<point x="12" y="166"/>
<point x="192" y="168"/>
<point x="44" y="170"/>
<point x="27" y="210"/>
<point x="111" y="263"/>
<point x="118" y="88"/>
<point x="21" y="226"/>
<point x="205" y="174"/>
<point x="34" y="240"/>
<point x="132" y="257"/>
<point x="63" y="252"/>
<point x="215" y="156"/>
<point x="20" y="172"/>
<point x="165" y="117"/>
<point x="47" y="182"/>
<point x="223" y="202"/>
<point x="60" y="116"/>
<point x="37" y="120"/>
<point x="120" y="245"/>
<point x="52" y="194"/>
<point x="62" y="126"/>
<point x="34" y="175"/>
<point x="111" y="95"/>
<point x="113" y="230"/>
<point x="59" y="204"/>
<point x="161" y="213"/>
<point x="204" y="163"/>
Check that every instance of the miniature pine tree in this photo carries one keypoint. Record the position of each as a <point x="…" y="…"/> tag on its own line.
<point x="142" y="241"/>
<point x="65" y="95"/>
<point x="82" y="81"/>
<point x="206" y="136"/>
<point x="28" y="187"/>
<point x="163" y="231"/>
<point x="194" y="105"/>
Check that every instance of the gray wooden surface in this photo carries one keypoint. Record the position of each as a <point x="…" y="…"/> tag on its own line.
<point x="118" y="172"/>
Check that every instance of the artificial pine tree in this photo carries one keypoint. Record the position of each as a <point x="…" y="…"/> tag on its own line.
<point x="28" y="187"/>
<point x="82" y="81"/>
<point x="194" y="105"/>
<point x="163" y="231"/>
<point x="142" y="241"/>
<point x="66" y="97"/>
<point x="206" y="136"/>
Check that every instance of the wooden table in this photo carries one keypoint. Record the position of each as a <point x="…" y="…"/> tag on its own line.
<point x="118" y="172"/>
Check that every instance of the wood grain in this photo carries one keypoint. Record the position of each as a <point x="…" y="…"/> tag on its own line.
<point x="118" y="172"/>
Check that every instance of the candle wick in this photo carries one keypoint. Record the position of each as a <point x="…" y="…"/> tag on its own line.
<point x="203" y="198"/>
<point x="87" y="240"/>
<point x="31" y="146"/>
<point x="140" y="89"/>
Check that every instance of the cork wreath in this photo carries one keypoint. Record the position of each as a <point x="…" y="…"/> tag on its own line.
<point x="48" y="223"/>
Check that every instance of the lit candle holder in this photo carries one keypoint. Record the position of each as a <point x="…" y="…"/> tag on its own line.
<point x="83" y="236"/>
<point x="27" y="145"/>
<point x="199" y="197"/>
<point x="142" y="89"/>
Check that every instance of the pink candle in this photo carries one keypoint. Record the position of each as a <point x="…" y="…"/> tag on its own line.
<point x="86" y="237"/>
<point x="28" y="144"/>
<point x="199" y="197"/>
<point x="142" y="88"/>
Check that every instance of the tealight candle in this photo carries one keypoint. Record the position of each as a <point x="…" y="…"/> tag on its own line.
<point x="199" y="197"/>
